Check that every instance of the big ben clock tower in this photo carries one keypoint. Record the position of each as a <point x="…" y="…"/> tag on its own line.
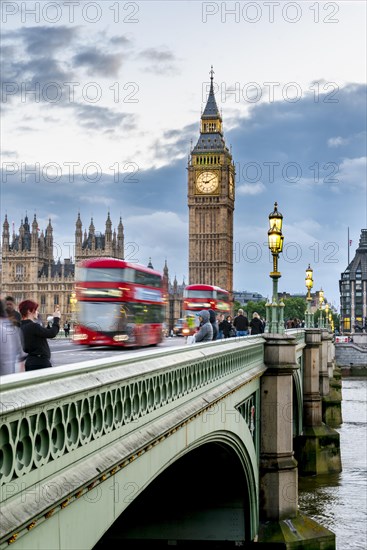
<point x="211" y="194"/>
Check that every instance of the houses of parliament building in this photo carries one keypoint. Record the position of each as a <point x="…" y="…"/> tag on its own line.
<point x="29" y="269"/>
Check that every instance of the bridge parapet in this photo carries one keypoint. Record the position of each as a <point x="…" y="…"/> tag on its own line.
<point x="59" y="429"/>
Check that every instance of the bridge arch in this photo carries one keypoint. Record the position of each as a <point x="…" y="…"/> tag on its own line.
<point x="210" y="488"/>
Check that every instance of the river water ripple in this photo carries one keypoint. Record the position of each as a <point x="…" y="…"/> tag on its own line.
<point x="339" y="501"/>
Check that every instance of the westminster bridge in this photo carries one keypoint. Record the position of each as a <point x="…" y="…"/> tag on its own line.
<point x="196" y="443"/>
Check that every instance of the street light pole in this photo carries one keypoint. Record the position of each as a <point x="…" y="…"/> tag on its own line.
<point x="327" y="316"/>
<point x="321" y="301"/>
<point x="309" y="323"/>
<point x="275" y="310"/>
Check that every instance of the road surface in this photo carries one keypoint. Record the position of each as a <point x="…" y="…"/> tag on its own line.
<point x="64" y="352"/>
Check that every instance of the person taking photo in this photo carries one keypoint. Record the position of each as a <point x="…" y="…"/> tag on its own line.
<point x="35" y="336"/>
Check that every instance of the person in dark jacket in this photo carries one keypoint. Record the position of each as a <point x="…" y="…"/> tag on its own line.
<point x="35" y="336"/>
<point x="228" y="328"/>
<point x="256" y="324"/>
<point x="205" y="333"/>
<point x="221" y="322"/>
<point x="214" y="323"/>
<point x="240" y="323"/>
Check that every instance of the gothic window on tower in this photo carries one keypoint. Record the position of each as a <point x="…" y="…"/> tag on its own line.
<point x="19" y="271"/>
<point x="43" y="300"/>
<point x="56" y="299"/>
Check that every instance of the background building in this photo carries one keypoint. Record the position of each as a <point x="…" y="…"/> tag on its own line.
<point x="353" y="289"/>
<point x="30" y="268"/>
<point x="95" y="244"/>
<point x="244" y="297"/>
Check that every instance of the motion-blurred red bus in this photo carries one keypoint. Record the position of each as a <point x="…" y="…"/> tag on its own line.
<point x="118" y="304"/>
<point x="198" y="297"/>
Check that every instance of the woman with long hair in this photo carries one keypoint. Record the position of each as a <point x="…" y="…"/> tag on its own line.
<point x="256" y="325"/>
<point x="35" y="336"/>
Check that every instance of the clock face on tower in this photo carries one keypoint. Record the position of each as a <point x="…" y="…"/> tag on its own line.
<point x="207" y="182"/>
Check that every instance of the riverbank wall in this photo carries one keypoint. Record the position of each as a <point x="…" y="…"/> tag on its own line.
<point x="351" y="357"/>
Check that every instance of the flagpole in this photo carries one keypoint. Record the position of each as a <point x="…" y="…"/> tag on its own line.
<point x="348" y="246"/>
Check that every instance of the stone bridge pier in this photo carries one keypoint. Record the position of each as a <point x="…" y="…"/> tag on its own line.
<point x="318" y="447"/>
<point x="280" y="519"/>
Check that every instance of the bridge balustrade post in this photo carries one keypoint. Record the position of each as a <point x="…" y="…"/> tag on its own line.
<point x="280" y="518"/>
<point x="331" y="358"/>
<point x="312" y="411"/>
<point x="324" y="372"/>
<point x="331" y="403"/>
<point x="278" y="467"/>
<point x="317" y="449"/>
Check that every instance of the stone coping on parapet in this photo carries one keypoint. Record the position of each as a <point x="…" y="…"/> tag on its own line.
<point x="48" y="384"/>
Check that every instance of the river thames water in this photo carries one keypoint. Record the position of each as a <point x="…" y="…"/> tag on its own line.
<point x="339" y="501"/>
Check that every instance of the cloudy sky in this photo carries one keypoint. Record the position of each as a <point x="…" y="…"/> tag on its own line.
<point x="101" y="101"/>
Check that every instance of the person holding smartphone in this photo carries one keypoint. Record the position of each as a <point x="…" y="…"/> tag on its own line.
<point x="35" y="336"/>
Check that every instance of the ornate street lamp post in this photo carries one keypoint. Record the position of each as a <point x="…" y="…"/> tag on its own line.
<point x="327" y="316"/>
<point x="309" y="285"/>
<point x="321" y="301"/>
<point x="275" y="309"/>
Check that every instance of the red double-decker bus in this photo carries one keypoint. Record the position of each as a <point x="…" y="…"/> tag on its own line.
<point x="199" y="297"/>
<point x="118" y="304"/>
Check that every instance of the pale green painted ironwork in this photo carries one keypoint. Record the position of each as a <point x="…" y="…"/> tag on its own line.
<point x="61" y="434"/>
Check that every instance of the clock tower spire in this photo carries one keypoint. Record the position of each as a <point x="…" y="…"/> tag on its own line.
<point x="211" y="195"/>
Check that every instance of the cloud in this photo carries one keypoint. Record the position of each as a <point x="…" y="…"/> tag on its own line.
<point x="251" y="188"/>
<point x="158" y="235"/>
<point x="336" y="141"/>
<point x="98" y="63"/>
<point x="8" y="154"/>
<point x="91" y="199"/>
<point x="42" y="40"/>
<point x="154" y="54"/>
<point x="161" y="61"/>
<point x="120" y="40"/>
<point x="35" y="81"/>
<point x="44" y="71"/>
<point x="99" y="118"/>
<point x="352" y="173"/>
<point x="22" y="129"/>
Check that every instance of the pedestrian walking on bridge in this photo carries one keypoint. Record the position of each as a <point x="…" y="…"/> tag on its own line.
<point x="205" y="333"/>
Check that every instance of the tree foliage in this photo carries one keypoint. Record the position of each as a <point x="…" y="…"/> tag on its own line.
<point x="236" y="306"/>
<point x="295" y="308"/>
<point x="250" y="307"/>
